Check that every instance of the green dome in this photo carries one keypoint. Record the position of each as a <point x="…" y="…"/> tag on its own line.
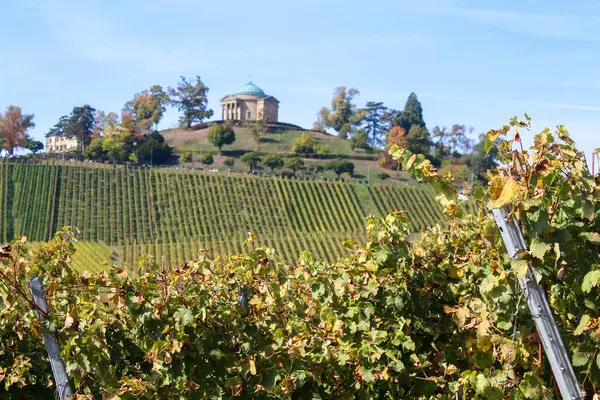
<point x="250" y="88"/>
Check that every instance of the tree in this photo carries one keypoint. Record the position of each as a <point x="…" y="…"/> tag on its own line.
<point x="95" y="150"/>
<point x="272" y="161"/>
<point x="207" y="159"/>
<point x="305" y="144"/>
<point x="161" y="99"/>
<point x="340" y="166"/>
<point x="258" y="127"/>
<point x="99" y="124"/>
<point x="396" y="136"/>
<point x="153" y="149"/>
<point x="359" y="140"/>
<point x="147" y="108"/>
<point x="60" y="128"/>
<point x="418" y="140"/>
<point x="14" y="126"/>
<point x="220" y="135"/>
<point x="190" y="98"/>
<point x="294" y="163"/>
<point x="34" y="145"/>
<point x="374" y="112"/>
<point x="412" y="114"/>
<point x="343" y="114"/>
<point x="251" y="159"/>
<point x="80" y="126"/>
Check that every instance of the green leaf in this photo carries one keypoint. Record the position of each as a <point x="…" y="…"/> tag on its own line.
<point x="481" y="384"/>
<point x="580" y="359"/>
<point x="488" y="284"/>
<point x="539" y="248"/>
<point x="185" y="316"/>
<point x="398" y="365"/>
<point x="530" y="386"/>
<point x="585" y="320"/>
<point x="339" y="286"/>
<point x="590" y="280"/>
<point x="519" y="267"/>
<point x="504" y="325"/>
<point x="593" y="237"/>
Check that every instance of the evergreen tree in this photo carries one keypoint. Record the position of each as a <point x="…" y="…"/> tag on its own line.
<point x="412" y="114"/>
<point x="81" y="125"/>
<point x="418" y="140"/>
<point x="373" y="119"/>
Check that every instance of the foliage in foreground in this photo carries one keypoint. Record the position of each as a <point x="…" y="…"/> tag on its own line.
<point x="395" y="319"/>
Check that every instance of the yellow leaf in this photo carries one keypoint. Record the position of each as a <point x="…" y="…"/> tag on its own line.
<point x="456" y="272"/>
<point x="510" y="192"/>
<point x="252" y="366"/>
<point x="519" y="267"/>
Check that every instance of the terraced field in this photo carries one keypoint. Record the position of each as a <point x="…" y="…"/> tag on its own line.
<point x="124" y="213"/>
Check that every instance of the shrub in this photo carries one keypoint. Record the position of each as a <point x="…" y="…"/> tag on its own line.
<point x="229" y="162"/>
<point x="382" y="176"/>
<point x="185" y="157"/>
<point x="340" y="166"/>
<point x="207" y="159"/>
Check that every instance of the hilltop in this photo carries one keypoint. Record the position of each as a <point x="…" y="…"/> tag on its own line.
<point x="280" y="139"/>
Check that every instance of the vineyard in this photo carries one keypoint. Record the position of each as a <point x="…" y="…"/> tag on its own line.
<point x="448" y="314"/>
<point x="124" y="213"/>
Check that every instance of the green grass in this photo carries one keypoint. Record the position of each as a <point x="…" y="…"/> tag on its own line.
<point x="124" y="213"/>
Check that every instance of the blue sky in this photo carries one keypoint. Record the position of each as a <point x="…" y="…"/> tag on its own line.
<point x="476" y="63"/>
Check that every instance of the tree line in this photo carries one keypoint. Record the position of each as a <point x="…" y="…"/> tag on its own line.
<point x="131" y="135"/>
<point x="376" y="125"/>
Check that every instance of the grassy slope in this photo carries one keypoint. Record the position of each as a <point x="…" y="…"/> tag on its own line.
<point x="197" y="142"/>
<point x="176" y="214"/>
<point x="276" y="142"/>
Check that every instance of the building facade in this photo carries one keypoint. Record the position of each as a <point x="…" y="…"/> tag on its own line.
<point x="249" y="103"/>
<point x="56" y="143"/>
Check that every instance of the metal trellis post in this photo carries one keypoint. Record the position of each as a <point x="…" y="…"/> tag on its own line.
<point x="560" y="362"/>
<point x="58" y="366"/>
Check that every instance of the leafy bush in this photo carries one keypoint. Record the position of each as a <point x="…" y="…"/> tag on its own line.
<point x="340" y="167"/>
<point x="185" y="157"/>
<point x="229" y="162"/>
<point x="207" y="159"/>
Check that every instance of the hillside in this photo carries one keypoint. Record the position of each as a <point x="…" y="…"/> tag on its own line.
<point x="130" y="212"/>
<point x="278" y="140"/>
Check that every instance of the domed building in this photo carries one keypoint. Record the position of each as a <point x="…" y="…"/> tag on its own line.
<point x="249" y="103"/>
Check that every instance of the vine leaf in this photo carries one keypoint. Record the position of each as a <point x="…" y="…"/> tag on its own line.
<point x="539" y="248"/>
<point x="585" y="320"/>
<point x="519" y="267"/>
<point x="590" y="280"/>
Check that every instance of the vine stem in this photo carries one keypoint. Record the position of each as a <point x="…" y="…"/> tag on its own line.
<point x="21" y="294"/>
